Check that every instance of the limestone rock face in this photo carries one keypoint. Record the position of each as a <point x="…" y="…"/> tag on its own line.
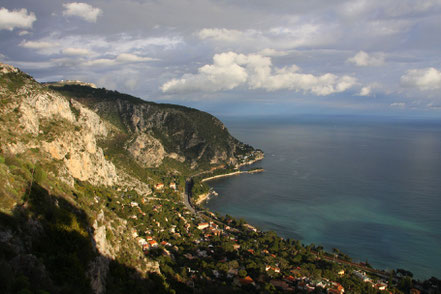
<point x="39" y="106"/>
<point x="65" y="129"/>
<point x="146" y="150"/>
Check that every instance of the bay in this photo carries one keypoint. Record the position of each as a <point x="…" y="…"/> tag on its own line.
<point x="370" y="187"/>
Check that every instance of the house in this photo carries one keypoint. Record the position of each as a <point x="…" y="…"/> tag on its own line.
<point x="336" y="288"/>
<point x="159" y="186"/>
<point x="202" y="226"/>
<point x="362" y="276"/>
<point x="246" y="281"/>
<point x="216" y="232"/>
<point x="236" y="246"/>
<point x="250" y="227"/>
<point x="134" y="204"/>
<point x="165" y="243"/>
<point x="173" y="186"/>
<point x="309" y="288"/>
<point x="153" y="243"/>
<point x="381" y="286"/>
<point x="251" y="251"/>
<point x="273" y="268"/>
<point x="141" y="241"/>
<point x="341" y="273"/>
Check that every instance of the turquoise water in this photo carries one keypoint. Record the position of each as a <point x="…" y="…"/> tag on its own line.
<point x="369" y="187"/>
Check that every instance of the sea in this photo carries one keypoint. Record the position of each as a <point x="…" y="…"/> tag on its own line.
<point x="368" y="186"/>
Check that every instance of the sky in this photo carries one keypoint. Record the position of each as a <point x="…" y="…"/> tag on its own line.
<point x="238" y="57"/>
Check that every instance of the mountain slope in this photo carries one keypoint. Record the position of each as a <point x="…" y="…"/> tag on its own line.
<point x="76" y="186"/>
<point x="157" y="131"/>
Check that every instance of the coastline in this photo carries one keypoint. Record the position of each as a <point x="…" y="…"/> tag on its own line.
<point x="202" y="198"/>
<point x="206" y="196"/>
<point x="239" y="172"/>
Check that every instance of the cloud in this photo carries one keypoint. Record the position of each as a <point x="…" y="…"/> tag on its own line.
<point x="364" y="59"/>
<point x="223" y="35"/>
<point x="23" y="33"/>
<point x="75" y="51"/>
<point x="425" y="79"/>
<point x="127" y="57"/>
<point x="37" y="44"/>
<point x="82" y="10"/>
<point x="96" y="46"/>
<point x="10" y="20"/>
<point x="230" y="70"/>
<point x="365" y="91"/>
<point x="100" y="62"/>
<point x="369" y="90"/>
<point x="295" y="34"/>
<point x="120" y="59"/>
<point x="272" y="52"/>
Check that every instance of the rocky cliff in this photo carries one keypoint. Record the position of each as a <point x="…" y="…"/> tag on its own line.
<point x="158" y="131"/>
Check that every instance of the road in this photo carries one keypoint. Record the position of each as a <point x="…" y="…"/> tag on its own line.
<point x="186" y="195"/>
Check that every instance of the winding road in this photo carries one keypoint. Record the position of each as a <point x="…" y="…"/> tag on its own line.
<point x="186" y="195"/>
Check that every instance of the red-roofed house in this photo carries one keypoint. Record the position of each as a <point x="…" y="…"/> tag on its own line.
<point x="246" y="281"/>
<point x="153" y="243"/>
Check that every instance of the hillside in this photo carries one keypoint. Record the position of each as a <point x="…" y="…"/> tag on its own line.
<point x="92" y="183"/>
<point x="188" y="136"/>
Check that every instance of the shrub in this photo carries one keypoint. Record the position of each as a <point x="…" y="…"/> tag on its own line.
<point x="39" y="174"/>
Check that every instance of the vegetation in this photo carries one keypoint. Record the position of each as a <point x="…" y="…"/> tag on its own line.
<point x="63" y="235"/>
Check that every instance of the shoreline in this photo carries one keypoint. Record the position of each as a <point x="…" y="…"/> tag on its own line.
<point x="239" y="172"/>
<point x="206" y="196"/>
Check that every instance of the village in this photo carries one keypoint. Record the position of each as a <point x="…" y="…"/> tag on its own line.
<point x="201" y="248"/>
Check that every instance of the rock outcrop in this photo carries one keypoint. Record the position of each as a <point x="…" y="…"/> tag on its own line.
<point x="159" y="131"/>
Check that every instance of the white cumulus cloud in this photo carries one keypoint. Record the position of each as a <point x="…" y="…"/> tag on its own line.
<point x="423" y="79"/>
<point x="365" y="91"/>
<point x="82" y="10"/>
<point x="364" y="59"/>
<point x="230" y="70"/>
<point x="10" y="20"/>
